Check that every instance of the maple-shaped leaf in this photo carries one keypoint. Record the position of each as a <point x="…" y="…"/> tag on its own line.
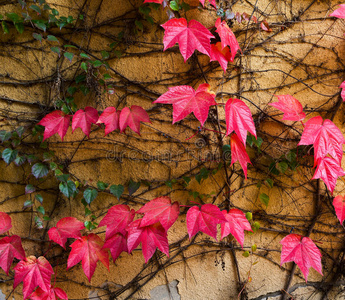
<point x="238" y="153"/>
<point x="5" y="222"/>
<point x="84" y="119"/>
<point x="342" y="86"/>
<point x="339" y="12"/>
<point x="132" y="118"/>
<point x="227" y="37"/>
<point x="68" y="227"/>
<point x="302" y="251"/>
<point x="88" y="249"/>
<point x="339" y="206"/>
<point x="204" y="219"/>
<point x="328" y="169"/>
<point x="33" y="272"/>
<point x="10" y="247"/>
<point x="160" y="210"/>
<point x="212" y="2"/>
<point x="326" y="137"/>
<point x="220" y="54"/>
<point x="186" y="100"/>
<point x="53" y="293"/>
<point x="239" y="119"/>
<point x="117" y="219"/>
<point x="116" y="244"/>
<point x="110" y="118"/>
<point x="290" y="106"/>
<point x="236" y="224"/>
<point x="154" y="1"/>
<point x="55" y="122"/>
<point x="190" y="37"/>
<point x="151" y="237"/>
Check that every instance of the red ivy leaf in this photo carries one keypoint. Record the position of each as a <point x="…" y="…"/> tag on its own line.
<point x="132" y="118"/>
<point x="212" y="2"/>
<point x="117" y="219"/>
<point x="52" y="294"/>
<point x="116" y="244"/>
<point x="239" y="118"/>
<point x="110" y="117"/>
<point x="339" y="12"/>
<point x="55" y="122"/>
<point x="5" y="222"/>
<point x="339" y="206"/>
<point x="236" y="224"/>
<point x="204" y="219"/>
<point x="290" y="106"/>
<point x="328" y="170"/>
<point x="222" y="55"/>
<point x="33" y="272"/>
<point x="185" y="101"/>
<point x="303" y="252"/>
<point x="342" y="86"/>
<point x="227" y="37"/>
<point x="190" y="37"/>
<point x="10" y="247"/>
<point x="150" y="237"/>
<point x="264" y="26"/>
<point x="160" y="210"/>
<point x="154" y="1"/>
<point x="84" y="118"/>
<point x="88" y="249"/>
<point x="68" y="227"/>
<point x="238" y="153"/>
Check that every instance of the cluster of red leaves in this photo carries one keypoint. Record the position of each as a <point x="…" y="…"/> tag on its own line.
<point x="58" y="122"/>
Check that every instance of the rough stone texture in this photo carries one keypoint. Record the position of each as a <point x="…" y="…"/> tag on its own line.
<point x="166" y="292"/>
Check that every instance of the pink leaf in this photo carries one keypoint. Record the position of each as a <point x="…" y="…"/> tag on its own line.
<point x="52" y="294"/>
<point x="116" y="244"/>
<point x="204" y="219"/>
<point x="185" y="101"/>
<point x="227" y="37"/>
<point x="68" y="227"/>
<point x="160" y="210"/>
<point x="238" y="153"/>
<point x="154" y="1"/>
<point x="339" y="206"/>
<point x="5" y="222"/>
<point x="84" y="118"/>
<point x="339" y="12"/>
<point x="190" y="37"/>
<point x="239" y="118"/>
<point x="88" y="249"/>
<point x="33" y="272"/>
<point x="55" y="122"/>
<point x="110" y="117"/>
<point x="212" y="2"/>
<point x="303" y="252"/>
<point x="264" y="26"/>
<point x="236" y="224"/>
<point x="10" y="247"/>
<point x="222" y="55"/>
<point x="132" y="118"/>
<point x="342" y="86"/>
<point x="290" y="106"/>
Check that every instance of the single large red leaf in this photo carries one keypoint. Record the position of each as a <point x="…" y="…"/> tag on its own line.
<point x="68" y="227"/>
<point x="55" y="122"/>
<point x="151" y="237"/>
<point x="185" y="101"/>
<point x="33" y="272"/>
<point x="116" y="244"/>
<point x="204" y="219"/>
<point x="239" y="119"/>
<point x="328" y="169"/>
<point x="84" y="119"/>
<point x="227" y="37"/>
<point x="339" y="12"/>
<point x="236" y="224"/>
<point x="339" y="206"/>
<point x="238" y="153"/>
<point x="5" y="222"/>
<point x="54" y="293"/>
<point x="302" y="251"/>
<point x="10" y="247"/>
<point x="290" y="106"/>
<point x="160" y="210"/>
<point x="117" y="219"/>
<point x="88" y="250"/>
<point x="190" y="37"/>
<point x="110" y="117"/>
<point x="342" y="86"/>
<point x="222" y="55"/>
<point x="132" y="118"/>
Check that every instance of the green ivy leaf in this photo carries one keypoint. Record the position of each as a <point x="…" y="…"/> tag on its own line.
<point x="68" y="188"/>
<point x="19" y="160"/>
<point x="139" y="25"/>
<point x="39" y="170"/>
<point x="249" y="215"/>
<point x="39" y="198"/>
<point x="282" y="166"/>
<point x="69" y="56"/>
<point x="174" y="6"/>
<point x="265" y="199"/>
<point x="29" y="189"/>
<point x="5" y="135"/>
<point x="5" y="27"/>
<point x="52" y="38"/>
<point x="19" y="27"/>
<point x="56" y="50"/>
<point x="133" y="187"/>
<point x="90" y="195"/>
<point x="36" y="9"/>
<point x="9" y="155"/>
<point x="38" y="222"/>
<point x="102" y="185"/>
<point x="37" y="36"/>
<point x="117" y="190"/>
<point x="40" y="24"/>
<point x="41" y="210"/>
<point x="27" y="204"/>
